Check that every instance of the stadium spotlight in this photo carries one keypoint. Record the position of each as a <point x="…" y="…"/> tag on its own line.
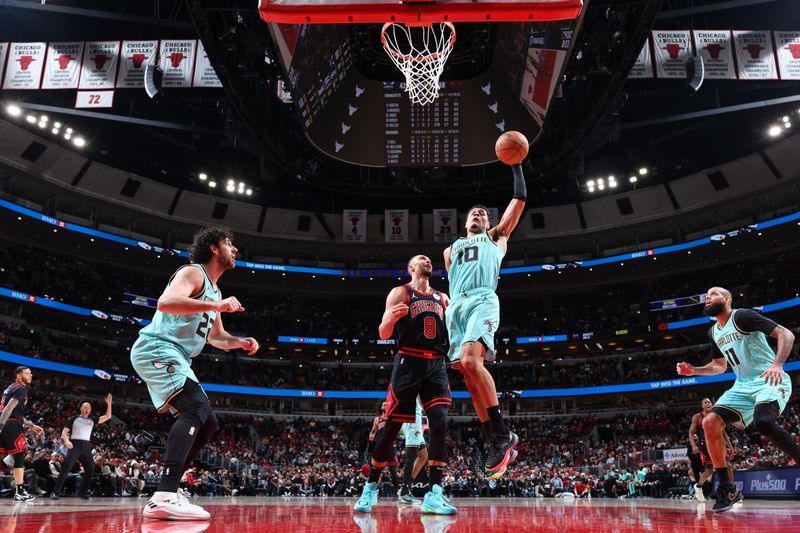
<point x="31" y="119"/>
<point x="601" y="185"/>
<point x="786" y="118"/>
<point x="774" y="131"/>
<point x="43" y="118"/>
<point x="13" y="110"/>
<point x="80" y="142"/>
<point x="643" y="171"/>
<point x="249" y="192"/>
<point x="203" y="176"/>
<point x="612" y="184"/>
<point x="787" y="125"/>
<point x="230" y="188"/>
<point x="212" y="184"/>
<point x="633" y="179"/>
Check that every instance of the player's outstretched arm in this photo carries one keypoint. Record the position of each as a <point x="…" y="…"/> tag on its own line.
<point x="515" y="208"/>
<point x="396" y="308"/>
<point x="693" y="433"/>
<point x="219" y="338"/>
<point x="107" y="416"/>
<point x="716" y="366"/>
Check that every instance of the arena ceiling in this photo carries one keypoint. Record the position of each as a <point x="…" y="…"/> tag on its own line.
<point x="603" y="123"/>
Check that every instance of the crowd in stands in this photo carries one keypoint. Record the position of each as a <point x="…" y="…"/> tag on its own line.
<point x="259" y="455"/>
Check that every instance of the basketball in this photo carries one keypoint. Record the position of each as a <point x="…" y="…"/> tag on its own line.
<point x="511" y="148"/>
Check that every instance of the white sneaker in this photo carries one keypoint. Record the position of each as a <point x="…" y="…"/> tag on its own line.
<point x="698" y="493"/>
<point x="173" y="506"/>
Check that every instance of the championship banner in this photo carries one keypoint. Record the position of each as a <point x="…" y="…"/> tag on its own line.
<point x="754" y="55"/>
<point x="24" y="66"/>
<point x="135" y="56"/>
<point x="643" y="67"/>
<point x="204" y="75"/>
<point x="177" y="62"/>
<point x="539" y="81"/>
<point x="445" y="225"/>
<point x="3" y="52"/>
<point x="788" y="48"/>
<point x="62" y="68"/>
<point x="99" y="68"/>
<point x="354" y="225"/>
<point x="396" y="225"/>
<point x="715" y="47"/>
<point x="672" y="50"/>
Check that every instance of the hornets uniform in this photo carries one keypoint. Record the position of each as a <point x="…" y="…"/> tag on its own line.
<point x="742" y="342"/>
<point x="162" y="355"/>
<point x="414" y="432"/>
<point x="419" y="368"/>
<point x="474" y="311"/>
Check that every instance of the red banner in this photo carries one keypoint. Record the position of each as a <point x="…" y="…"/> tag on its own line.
<point x="62" y="68"/>
<point x="24" y="66"/>
<point x="177" y="62"/>
<point x="754" y="55"/>
<point x="787" y="44"/>
<point x="135" y="55"/>
<point x="672" y="50"/>
<point x="716" y="49"/>
<point x="99" y="68"/>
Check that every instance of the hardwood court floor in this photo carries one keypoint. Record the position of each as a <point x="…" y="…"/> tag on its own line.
<point x="323" y="515"/>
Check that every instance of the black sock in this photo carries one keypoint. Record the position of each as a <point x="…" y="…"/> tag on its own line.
<point x="496" y="420"/>
<point x="784" y="441"/>
<point x="486" y="431"/>
<point x="408" y="468"/>
<point x="724" y="477"/>
<point x="374" y="473"/>
<point x="393" y="475"/>
<point x="435" y="475"/>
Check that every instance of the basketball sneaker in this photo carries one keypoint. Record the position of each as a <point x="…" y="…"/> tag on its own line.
<point x="173" y="506"/>
<point x="405" y="497"/>
<point x="368" y="498"/>
<point x="23" y="496"/>
<point x="436" y="502"/>
<point x="698" y="493"/>
<point x="497" y="474"/>
<point x="727" y="498"/>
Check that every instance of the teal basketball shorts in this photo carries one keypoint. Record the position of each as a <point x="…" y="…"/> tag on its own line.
<point x="471" y="317"/>
<point x="163" y="367"/>
<point x="739" y="402"/>
<point x="413" y="435"/>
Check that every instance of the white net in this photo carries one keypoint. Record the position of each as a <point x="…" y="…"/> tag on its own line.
<point x="420" y="53"/>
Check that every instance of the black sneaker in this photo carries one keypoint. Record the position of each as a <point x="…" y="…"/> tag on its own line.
<point x="55" y="496"/>
<point x="501" y="455"/>
<point x="726" y="498"/>
<point x="23" y="496"/>
<point x="84" y="496"/>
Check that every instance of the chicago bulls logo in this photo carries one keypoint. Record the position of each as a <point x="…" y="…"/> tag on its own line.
<point x="25" y="61"/>
<point x="137" y="60"/>
<point x="354" y="221"/>
<point x="794" y="49"/>
<point x="396" y="221"/>
<point x="754" y="49"/>
<point x="100" y="60"/>
<point x="714" y="49"/>
<point x="175" y="59"/>
<point x="63" y="61"/>
<point x="673" y="49"/>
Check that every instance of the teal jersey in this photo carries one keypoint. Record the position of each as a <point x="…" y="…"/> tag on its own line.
<point x="187" y="332"/>
<point x="743" y="345"/>
<point x="474" y="264"/>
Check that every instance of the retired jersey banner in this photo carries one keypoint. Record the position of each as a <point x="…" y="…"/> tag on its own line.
<point x="672" y="50"/>
<point x="787" y="44"/>
<point x="94" y="99"/>
<point x="354" y="225"/>
<point x="134" y="57"/>
<point x="204" y="75"/>
<point x="754" y="55"/>
<point x="396" y="225"/>
<point x="445" y="225"/>
<point x="99" y="70"/>
<point x="24" y="65"/>
<point x="643" y="67"/>
<point x="716" y="49"/>
<point x="539" y="80"/>
<point x="3" y="52"/>
<point x="177" y="62"/>
<point x="62" y="68"/>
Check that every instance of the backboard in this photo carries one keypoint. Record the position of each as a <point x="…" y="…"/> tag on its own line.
<point x="415" y="11"/>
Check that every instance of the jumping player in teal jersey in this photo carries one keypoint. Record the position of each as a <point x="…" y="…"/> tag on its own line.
<point x="761" y="389"/>
<point x="189" y="315"/>
<point x="473" y="264"/>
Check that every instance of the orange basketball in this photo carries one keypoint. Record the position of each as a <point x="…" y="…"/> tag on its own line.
<point x="511" y="148"/>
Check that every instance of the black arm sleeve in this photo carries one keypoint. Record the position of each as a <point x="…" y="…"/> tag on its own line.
<point x="520" y="189"/>
<point x="69" y="424"/>
<point x="714" y="353"/>
<point x="748" y="321"/>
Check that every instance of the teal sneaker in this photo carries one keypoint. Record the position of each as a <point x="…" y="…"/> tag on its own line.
<point x="369" y="497"/>
<point x="436" y="502"/>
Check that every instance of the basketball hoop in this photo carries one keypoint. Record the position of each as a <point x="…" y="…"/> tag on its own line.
<point x="420" y="52"/>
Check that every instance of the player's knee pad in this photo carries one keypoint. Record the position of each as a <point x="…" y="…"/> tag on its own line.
<point x="764" y="418"/>
<point x="196" y="413"/>
<point x="437" y="422"/>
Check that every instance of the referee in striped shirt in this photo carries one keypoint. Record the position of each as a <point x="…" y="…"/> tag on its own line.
<point x="77" y="437"/>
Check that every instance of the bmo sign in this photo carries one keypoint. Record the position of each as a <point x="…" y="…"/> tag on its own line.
<point x="779" y="482"/>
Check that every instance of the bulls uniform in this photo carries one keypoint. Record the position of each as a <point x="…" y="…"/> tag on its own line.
<point x="12" y="439"/>
<point x="393" y="453"/>
<point x="742" y="341"/>
<point x="162" y="355"/>
<point x="705" y="458"/>
<point x="419" y="367"/>
<point x="474" y="311"/>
